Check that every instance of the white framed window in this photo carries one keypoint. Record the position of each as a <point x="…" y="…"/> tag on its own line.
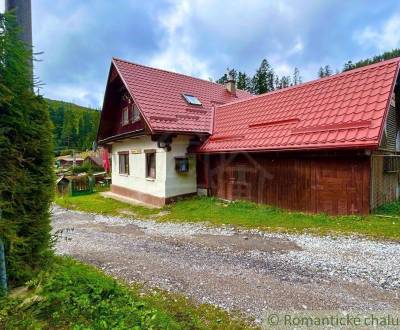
<point x="135" y="113"/>
<point x="123" y="162"/>
<point x="125" y="116"/>
<point x="150" y="164"/>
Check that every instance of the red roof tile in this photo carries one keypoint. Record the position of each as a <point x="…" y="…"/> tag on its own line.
<point x="158" y="94"/>
<point x="344" y="110"/>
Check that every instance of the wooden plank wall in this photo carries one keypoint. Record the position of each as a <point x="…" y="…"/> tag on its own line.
<point x="383" y="185"/>
<point x="337" y="184"/>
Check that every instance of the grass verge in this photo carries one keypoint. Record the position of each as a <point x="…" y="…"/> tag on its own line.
<point x="74" y="295"/>
<point x="249" y="215"/>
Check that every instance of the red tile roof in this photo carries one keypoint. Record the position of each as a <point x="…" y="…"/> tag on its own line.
<point x="344" y="110"/>
<point x="158" y="94"/>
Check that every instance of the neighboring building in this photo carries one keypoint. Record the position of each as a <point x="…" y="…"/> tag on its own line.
<point x="95" y="160"/>
<point x="329" y="145"/>
<point x="68" y="161"/>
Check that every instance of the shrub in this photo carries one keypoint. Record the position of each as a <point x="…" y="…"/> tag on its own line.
<point x="26" y="175"/>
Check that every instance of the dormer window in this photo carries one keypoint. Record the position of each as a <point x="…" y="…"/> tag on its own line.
<point x="125" y="116"/>
<point x="191" y="99"/>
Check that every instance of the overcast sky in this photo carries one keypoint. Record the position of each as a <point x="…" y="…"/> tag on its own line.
<point x="202" y="37"/>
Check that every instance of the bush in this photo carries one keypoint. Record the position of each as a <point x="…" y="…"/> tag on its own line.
<point x="26" y="176"/>
<point x="87" y="168"/>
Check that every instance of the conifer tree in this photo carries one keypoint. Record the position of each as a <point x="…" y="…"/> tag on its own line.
<point x="224" y="78"/>
<point x="321" y="72"/>
<point x="277" y="82"/>
<point x="26" y="175"/>
<point x="284" y="82"/>
<point x="297" y="79"/>
<point x="327" y="71"/>
<point x="375" y="59"/>
<point x="244" y="82"/>
<point x="263" y="80"/>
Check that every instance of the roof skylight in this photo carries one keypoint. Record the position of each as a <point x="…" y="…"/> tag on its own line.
<point x="191" y="99"/>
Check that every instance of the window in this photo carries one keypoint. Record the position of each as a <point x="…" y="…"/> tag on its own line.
<point x="123" y="162"/>
<point x="191" y="99"/>
<point x="125" y="116"/>
<point x="150" y="164"/>
<point x="135" y="113"/>
<point x="181" y="164"/>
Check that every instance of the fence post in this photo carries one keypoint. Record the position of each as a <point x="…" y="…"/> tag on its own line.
<point x="3" y="274"/>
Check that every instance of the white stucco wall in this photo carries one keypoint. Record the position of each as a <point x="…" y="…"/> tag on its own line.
<point x="180" y="183"/>
<point x="168" y="182"/>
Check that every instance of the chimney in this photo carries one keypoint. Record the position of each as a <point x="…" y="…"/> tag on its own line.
<point x="230" y="85"/>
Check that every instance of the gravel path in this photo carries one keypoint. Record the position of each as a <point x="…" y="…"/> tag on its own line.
<point x="249" y="271"/>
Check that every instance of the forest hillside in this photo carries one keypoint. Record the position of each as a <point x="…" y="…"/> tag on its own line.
<point x="75" y="127"/>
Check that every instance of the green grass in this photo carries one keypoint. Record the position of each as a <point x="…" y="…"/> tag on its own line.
<point x="95" y="203"/>
<point x="74" y="295"/>
<point x="249" y="215"/>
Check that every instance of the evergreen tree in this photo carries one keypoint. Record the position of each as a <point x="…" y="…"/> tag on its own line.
<point x="224" y="78"/>
<point x="277" y="82"/>
<point x="284" y="82"/>
<point x="263" y="80"/>
<point x="325" y="71"/>
<point x="244" y="82"/>
<point x="74" y="126"/>
<point x="348" y="66"/>
<point x="297" y="79"/>
<point x="26" y="174"/>
<point x="321" y="72"/>
<point x="378" y="58"/>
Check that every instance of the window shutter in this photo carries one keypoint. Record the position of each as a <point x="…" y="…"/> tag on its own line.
<point x="391" y="129"/>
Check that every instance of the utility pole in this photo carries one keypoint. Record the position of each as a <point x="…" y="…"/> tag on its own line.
<point x="23" y="13"/>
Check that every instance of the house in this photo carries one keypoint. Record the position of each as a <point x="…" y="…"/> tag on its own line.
<point x="68" y="161"/>
<point x="149" y="119"/>
<point x="329" y="145"/>
<point x="94" y="160"/>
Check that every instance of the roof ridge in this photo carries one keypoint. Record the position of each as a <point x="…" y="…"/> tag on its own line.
<point x="315" y="81"/>
<point x="173" y="72"/>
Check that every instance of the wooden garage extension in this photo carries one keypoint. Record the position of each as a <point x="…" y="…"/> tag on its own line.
<point x="315" y="182"/>
<point x="328" y="146"/>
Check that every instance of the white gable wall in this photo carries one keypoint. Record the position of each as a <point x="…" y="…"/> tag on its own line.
<point x="168" y="183"/>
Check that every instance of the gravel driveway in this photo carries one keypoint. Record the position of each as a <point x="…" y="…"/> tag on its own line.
<point x="249" y="271"/>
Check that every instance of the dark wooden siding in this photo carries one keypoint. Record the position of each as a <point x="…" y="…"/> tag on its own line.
<point x="315" y="183"/>
<point x="384" y="185"/>
<point x="112" y="112"/>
